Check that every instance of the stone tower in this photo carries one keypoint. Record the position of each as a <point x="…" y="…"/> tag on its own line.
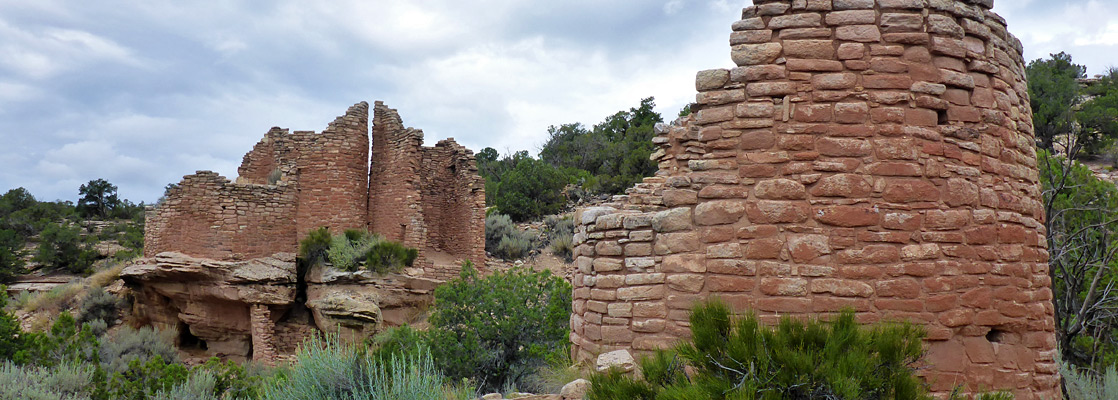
<point x="873" y="155"/>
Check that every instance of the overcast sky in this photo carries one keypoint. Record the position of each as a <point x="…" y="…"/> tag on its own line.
<point x="143" y="92"/>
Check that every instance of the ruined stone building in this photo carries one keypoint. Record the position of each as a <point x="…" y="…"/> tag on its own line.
<point x="219" y="264"/>
<point x="872" y="155"/>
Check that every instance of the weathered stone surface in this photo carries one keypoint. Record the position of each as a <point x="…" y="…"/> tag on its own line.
<point x="352" y="316"/>
<point x="620" y="359"/>
<point x="883" y="158"/>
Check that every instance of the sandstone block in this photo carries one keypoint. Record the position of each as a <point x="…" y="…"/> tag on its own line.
<point x="690" y="283"/>
<point x="779" y="189"/>
<point x="842" y="287"/>
<point x="852" y="17"/>
<point x="809" y="49"/>
<point x="805" y="248"/>
<point x="847" y="216"/>
<point x="755" y="54"/>
<point x="777" y="212"/>
<point x="676" y="219"/>
<point x="758" y="73"/>
<point x="620" y="359"/>
<point x="711" y="79"/>
<point x="805" y="20"/>
<point x="859" y="33"/>
<point x="719" y="212"/>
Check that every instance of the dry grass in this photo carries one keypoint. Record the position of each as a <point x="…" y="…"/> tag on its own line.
<point x="54" y="301"/>
<point x="106" y="276"/>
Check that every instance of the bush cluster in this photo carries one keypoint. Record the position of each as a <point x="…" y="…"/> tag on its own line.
<point x="353" y="247"/>
<point x="732" y="358"/>
<point x="497" y="331"/>
<point x="575" y="163"/>
<point x="561" y="232"/>
<point x="504" y="240"/>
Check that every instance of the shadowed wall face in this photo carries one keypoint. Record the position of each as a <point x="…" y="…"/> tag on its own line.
<point x="873" y="155"/>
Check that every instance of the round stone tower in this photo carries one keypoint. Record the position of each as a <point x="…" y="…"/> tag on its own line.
<point x="872" y="155"/>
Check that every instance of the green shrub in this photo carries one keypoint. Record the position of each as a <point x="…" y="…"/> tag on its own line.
<point x="1085" y="385"/>
<point x="65" y="343"/>
<point x="331" y="370"/>
<point x="531" y="190"/>
<point x="143" y="379"/>
<point x="61" y="247"/>
<point x="387" y="256"/>
<point x="561" y="232"/>
<point x="733" y="358"/>
<point x="496" y="330"/>
<point x="64" y="382"/>
<point x="11" y="255"/>
<point x="503" y="240"/>
<point x="143" y="345"/>
<point x="198" y="386"/>
<point x="312" y="249"/>
<point x="99" y="305"/>
<point x="345" y="254"/>
<point x="11" y="335"/>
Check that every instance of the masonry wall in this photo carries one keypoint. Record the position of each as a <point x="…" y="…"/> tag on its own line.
<point x="394" y="195"/>
<point x="292" y="183"/>
<point x="333" y="174"/>
<point x="874" y="155"/>
<point x="208" y="216"/>
<point x="453" y="200"/>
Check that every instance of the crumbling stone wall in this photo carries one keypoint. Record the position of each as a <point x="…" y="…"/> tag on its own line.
<point x="210" y="217"/>
<point x="449" y="181"/>
<point x="873" y="155"/>
<point x="292" y="183"/>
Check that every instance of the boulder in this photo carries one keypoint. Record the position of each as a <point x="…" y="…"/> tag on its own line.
<point x="575" y="390"/>
<point x="352" y="316"/>
<point x="620" y="359"/>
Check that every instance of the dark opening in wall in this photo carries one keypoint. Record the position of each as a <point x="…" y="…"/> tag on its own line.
<point x="994" y="336"/>
<point x="942" y="114"/>
<point x="187" y="340"/>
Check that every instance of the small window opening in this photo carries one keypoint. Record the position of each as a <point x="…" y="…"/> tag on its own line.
<point x="994" y="336"/>
<point x="942" y="114"/>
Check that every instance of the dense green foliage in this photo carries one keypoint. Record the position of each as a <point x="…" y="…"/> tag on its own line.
<point x="1068" y="113"/>
<point x="11" y="254"/>
<point x="603" y="160"/>
<point x="57" y="226"/>
<point x="531" y="189"/>
<point x="61" y="246"/>
<point x="615" y="152"/>
<point x="499" y="329"/>
<point x="738" y="358"/>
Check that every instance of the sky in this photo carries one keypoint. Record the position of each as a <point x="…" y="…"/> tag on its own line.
<point x="141" y="93"/>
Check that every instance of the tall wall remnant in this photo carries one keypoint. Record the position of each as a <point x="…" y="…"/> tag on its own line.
<point x="220" y="264"/>
<point x="873" y="155"/>
<point x="430" y="198"/>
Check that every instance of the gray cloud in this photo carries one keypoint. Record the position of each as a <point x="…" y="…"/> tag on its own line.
<point x="142" y="93"/>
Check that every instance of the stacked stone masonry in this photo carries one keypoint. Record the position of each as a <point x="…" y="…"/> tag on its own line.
<point x="871" y="155"/>
<point x="209" y="239"/>
<point x="291" y="184"/>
